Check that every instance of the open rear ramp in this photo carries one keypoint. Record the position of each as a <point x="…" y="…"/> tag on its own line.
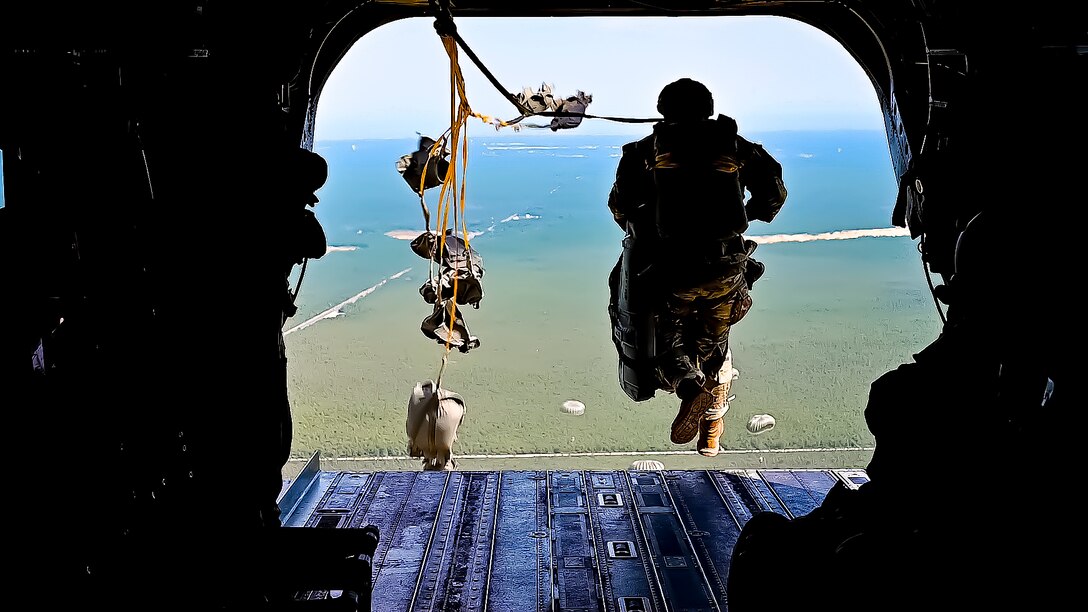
<point x="571" y="540"/>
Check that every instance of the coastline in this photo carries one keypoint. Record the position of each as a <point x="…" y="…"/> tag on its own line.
<point x="881" y="232"/>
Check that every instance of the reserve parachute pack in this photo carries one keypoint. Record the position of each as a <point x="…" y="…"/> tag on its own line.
<point x="700" y="197"/>
<point x="634" y="321"/>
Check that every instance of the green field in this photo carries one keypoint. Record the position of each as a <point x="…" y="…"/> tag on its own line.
<point x="829" y="317"/>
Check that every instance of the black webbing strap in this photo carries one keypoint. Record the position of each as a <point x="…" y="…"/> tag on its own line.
<point x="444" y="26"/>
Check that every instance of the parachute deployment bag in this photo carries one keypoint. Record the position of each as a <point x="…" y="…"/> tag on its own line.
<point x="413" y="166"/>
<point x="695" y="170"/>
<point x="459" y="261"/>
<point x="577" y="105"/>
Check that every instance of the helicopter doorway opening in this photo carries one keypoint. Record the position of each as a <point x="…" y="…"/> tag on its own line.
<point x="844" y="298"/>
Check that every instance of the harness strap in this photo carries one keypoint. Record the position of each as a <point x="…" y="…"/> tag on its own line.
<point x="721" y="163"/>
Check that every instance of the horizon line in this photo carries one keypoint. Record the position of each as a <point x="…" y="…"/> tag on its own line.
<point x="416" y="135"/>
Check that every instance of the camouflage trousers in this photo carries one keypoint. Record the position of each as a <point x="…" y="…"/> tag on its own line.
<point x="694" y="328"/>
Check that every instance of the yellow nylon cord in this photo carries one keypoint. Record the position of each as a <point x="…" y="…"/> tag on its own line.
<point x="460" y="112"/>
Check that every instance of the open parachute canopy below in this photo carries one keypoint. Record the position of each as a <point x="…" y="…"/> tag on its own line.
<point x="573" y="407"/>
<point x="760" y="423"/>
<point x="647" y="464"/>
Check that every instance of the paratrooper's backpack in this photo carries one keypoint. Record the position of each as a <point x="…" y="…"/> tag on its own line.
<point x="696" y="173"/>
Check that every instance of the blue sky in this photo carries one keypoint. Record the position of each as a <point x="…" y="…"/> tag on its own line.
<point x="769" y="73"/>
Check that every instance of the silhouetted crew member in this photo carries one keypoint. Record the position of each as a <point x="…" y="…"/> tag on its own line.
<point x="299" y="237"/>
<point x="679" y="195"/>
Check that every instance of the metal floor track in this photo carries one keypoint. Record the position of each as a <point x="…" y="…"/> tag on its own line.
<point x="577" y="541"/>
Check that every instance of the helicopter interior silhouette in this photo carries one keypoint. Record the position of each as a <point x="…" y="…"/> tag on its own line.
<point x="116" y="233"/>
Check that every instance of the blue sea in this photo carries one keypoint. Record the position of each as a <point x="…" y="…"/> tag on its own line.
<point x="829" y="316"/>
<point x="540" y="199"/>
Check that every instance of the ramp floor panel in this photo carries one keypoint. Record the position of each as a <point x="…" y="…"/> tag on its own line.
<point x="577" y="541"/>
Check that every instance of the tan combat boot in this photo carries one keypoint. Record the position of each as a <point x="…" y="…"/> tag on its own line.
<point x="692" y="411"/>
<point x="712" y="425"/>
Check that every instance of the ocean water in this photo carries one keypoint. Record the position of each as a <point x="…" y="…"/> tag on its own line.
<point x="829" y="316"/>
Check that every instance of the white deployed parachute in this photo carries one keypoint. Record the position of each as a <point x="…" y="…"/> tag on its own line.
<point x="647" y="464"/>
<point x="573" y="407"/>
<point x="760" y="423"/>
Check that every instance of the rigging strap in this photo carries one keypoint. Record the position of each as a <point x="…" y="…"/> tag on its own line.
<point x="444" y="26"/>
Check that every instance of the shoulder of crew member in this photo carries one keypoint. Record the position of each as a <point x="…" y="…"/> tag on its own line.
<point x="633" y="183"/>
<point x="761" y="175"/>
<point x="745" y="148"/>
<point x="639" y="147"/>
<point x="635" y="158"/>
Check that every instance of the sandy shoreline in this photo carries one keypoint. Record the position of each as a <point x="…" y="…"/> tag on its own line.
<point x="769" y="239"/>
<point x="404" y="234"/>
<point x="413" y="234"/>
<point x="838" y="235"/>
